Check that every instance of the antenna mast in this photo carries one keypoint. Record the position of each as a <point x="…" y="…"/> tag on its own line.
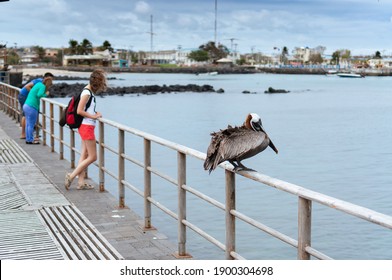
<point x="216" y="15"/>
<point x="152" y="35"/>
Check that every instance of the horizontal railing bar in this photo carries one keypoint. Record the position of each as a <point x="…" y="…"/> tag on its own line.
<point x="205" y="235"/>
<point x="163" y="208"/>
<point x="158" y="140"/>
<point x="317" y="254"/>
<point x="236" y="256"/>
<point x="110" y="173"/>
<point x="133" y="188"/>
<point x="204" y="197"/>
<point x="110" y="148"/>
<point x="50" y="100"/>
<point x="135" y="161"/>
<point x="331" y="202"/>
<point x="265" y="228"/>
<point x="163" y="176"/>
<point x="10" y="86"/>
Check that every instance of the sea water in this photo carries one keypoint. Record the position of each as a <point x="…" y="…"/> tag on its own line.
<point x="333" y="134"/>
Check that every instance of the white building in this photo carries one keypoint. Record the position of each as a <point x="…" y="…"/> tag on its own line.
<point x="302" y="54"/>
<point x="97" y="58"/>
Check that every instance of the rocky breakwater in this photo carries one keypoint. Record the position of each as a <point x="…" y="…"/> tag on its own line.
<point x="65" y="89"/>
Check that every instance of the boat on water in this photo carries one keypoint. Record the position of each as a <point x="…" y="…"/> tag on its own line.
<point x="350" y="75"/>
<point x="331" y="73"/>
<point x="207" y="74"/>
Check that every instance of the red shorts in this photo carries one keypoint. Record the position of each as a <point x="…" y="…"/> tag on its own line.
<point x="87" y="132"/>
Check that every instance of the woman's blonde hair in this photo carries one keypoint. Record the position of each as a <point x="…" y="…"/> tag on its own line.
<point x="98" y="80"/>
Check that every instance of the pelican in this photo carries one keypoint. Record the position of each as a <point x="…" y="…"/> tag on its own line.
<point x="235" y="144"/>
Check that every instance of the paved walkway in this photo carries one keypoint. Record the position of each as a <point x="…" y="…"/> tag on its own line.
<point x="37" y="178"/>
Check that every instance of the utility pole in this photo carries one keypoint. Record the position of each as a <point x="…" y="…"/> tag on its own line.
<point x="231" y="43"/>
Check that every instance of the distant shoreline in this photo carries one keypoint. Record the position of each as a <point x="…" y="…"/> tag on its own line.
<point x="84" y="71"/>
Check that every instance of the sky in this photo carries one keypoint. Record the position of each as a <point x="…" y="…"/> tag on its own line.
<point x="361" y="26"/>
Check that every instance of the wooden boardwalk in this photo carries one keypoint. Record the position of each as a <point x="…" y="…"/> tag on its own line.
<point x="39" y="219"/>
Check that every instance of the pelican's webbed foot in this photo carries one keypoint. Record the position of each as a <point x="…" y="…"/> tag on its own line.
<point x="240" y="167"/>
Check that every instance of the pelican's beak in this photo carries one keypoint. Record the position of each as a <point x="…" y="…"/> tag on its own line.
<point x="258" y="127"/>
<point x="273" y="146"/>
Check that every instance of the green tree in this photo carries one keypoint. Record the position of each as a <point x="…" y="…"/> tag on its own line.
<point x="315" y="58"/>
<point x="86" y="47"/>
<point x="335" y="58"/>
<point x="345" y="54"/>
<point x="340" y="55"/>
<point x="283" y="57"/>
<point x="106" y="46"/>
<point x="13" y="57"/>
<point x="215" y="52"/>
<point x="199" y="55"/>
<point x="40" y="51"/>
<point x="377" y="55"/>
<point x="73" y="46"/>
<point x="59" y="58"/>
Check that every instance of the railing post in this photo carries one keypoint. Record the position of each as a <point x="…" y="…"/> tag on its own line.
<point x="8" y="98"/>
<point x="230" y="219"/>
<point x="43" y="123"/>
<point x="121" y="168"/>
<point x="147" y="184"/>
<point x="51" y="112"/>
<point x="304" y="227"/>
<point x="181" y="178"/>
<point x="1" y="97"/>
<point x="61" y="136"/>
<point x="72" y="144"/>
<point x="14" y="105"/>
<point x="101" y="156"/>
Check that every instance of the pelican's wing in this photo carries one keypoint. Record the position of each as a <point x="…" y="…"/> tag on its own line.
<point x="241" y="142"/>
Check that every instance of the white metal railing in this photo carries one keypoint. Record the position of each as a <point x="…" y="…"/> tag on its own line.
<point x="305" y="196"/>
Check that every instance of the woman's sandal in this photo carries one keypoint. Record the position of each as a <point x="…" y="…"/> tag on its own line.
<point x="68" y="181"/>
<point x="85" y="186"/>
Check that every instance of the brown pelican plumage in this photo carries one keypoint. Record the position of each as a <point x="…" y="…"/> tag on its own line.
<point x="237" y="143"/>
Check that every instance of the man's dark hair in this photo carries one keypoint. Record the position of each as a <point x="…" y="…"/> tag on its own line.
<point x="48" y="74"/>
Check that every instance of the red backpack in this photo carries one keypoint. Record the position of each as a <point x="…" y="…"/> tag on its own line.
<point x="70" y="116"/>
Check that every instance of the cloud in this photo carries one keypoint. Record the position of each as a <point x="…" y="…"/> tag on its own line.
<point x="58" y="6"/>
<point x="142" y="7"/>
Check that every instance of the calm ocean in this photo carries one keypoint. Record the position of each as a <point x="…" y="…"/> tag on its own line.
<point x="333" y="134"/>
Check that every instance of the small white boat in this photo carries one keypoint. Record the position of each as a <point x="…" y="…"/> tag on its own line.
<point x="207" y="74"/>
<point x="349" y="75"/>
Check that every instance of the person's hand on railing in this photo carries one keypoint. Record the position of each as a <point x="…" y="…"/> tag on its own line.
<point x="97" y="115"/>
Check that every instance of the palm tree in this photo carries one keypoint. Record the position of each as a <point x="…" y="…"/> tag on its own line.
<point x="106" y="46"/>
<point x="73" y="46"/>
<point x="285" y="52"/>
<point x="86" y="47"/>
<point x="377" y="55"/>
